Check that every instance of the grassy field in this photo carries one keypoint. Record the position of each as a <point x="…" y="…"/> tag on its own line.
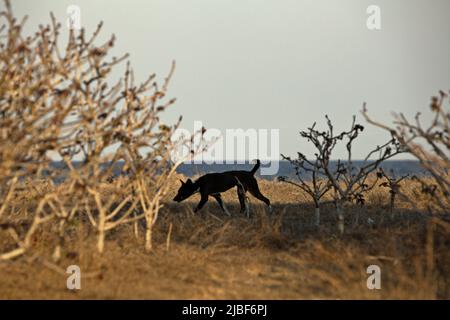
<point x="65" y="103"/>
<point x="211" y="256"/>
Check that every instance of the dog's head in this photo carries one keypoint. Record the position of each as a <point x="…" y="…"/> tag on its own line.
<point x="186" y="190"/>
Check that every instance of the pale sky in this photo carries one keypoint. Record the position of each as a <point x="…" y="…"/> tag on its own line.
<point x="277" y="64"/>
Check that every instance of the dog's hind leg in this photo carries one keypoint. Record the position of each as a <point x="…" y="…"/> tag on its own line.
<point x="247" y="206"/>
<point x="218" y="198"/>
<point x="254" y="190"/>
<point x="243" y="200"/>
<point x="258" y="195"/>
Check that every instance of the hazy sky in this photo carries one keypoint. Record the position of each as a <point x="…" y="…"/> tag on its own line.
<point x="277" y="64"/>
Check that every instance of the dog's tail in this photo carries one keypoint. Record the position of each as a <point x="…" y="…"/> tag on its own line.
<point x="256" y="167"/>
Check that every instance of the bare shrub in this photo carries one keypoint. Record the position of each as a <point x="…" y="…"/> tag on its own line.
<point x="393" y="183"/>
<point x="348" y="181"/>
<point x="311" y="179"/>
<point x="430" y="145"/>
<point x="60" y="104"/>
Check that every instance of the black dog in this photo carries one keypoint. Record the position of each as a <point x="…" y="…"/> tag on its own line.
<point x="212" y="184"/>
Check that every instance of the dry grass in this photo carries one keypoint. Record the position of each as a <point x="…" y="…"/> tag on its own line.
<point x="211" y="256"/>
<point x="62" y="107"/>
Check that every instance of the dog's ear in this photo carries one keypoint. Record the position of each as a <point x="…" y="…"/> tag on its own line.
<point x="189" y="181"/>
<point x="182" y="182"/>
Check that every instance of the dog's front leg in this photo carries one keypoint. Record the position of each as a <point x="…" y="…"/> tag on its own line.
<point x="241" y="201"/>
<point x="219" y="200"/>
<point x="202" y="202"/>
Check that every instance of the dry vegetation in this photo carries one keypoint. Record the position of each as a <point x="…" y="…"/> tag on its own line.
<point x="209" y="255"/>
<point x="131" y="241"/>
